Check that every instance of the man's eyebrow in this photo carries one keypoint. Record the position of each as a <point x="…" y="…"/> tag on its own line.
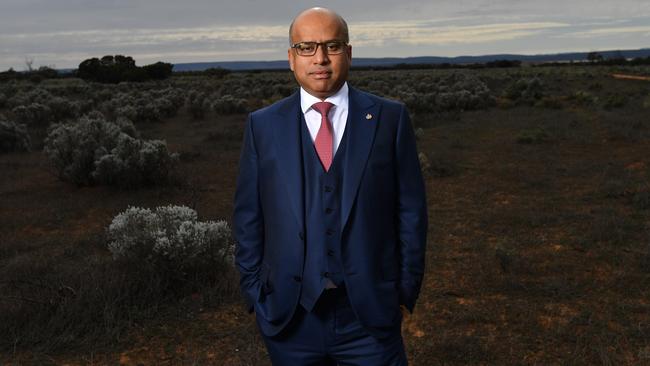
<point x="327" y="41"/>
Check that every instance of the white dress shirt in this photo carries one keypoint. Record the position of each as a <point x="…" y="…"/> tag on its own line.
<point x="338" y="115"/>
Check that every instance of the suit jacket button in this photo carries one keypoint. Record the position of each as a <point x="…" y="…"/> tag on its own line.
<point x="328" y="210"/>
<point x="301" y="235"/>
<point x="328" y="188"/>
<point x="297" y="278"/>
<point x="326" y="274"/>
<point x="330" y="252"/>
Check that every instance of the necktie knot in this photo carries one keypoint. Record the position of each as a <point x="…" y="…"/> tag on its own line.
<point x="323" y="108"/>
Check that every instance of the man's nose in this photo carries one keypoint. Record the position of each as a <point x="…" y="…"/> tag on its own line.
<point x="321" y="57"/>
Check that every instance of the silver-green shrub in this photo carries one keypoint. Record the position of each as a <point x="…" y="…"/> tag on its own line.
<point x="456" y="91"/>
<point x="62" y="108"/>
<point x="134" y="163"/>
<point x="525" y="90"/>
<point x="197" y="104"/>
<point x="13" y="137"/>
<point x="93" y="150"/>
<point x="228" y="104"/>
<point x="73" y="148"/>
<point x="170" y="237"/>
<point x="32" y="114"/>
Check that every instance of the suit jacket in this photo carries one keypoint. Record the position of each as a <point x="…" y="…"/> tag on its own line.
<point x="383" y="213"/>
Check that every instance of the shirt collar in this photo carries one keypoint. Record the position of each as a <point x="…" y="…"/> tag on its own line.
<point x="340" y="98"/>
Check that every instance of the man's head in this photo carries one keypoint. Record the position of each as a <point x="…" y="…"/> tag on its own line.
<point x="323" y="73"/>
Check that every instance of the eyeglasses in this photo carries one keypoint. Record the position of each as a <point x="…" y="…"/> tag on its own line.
<point x="309" y="48"/>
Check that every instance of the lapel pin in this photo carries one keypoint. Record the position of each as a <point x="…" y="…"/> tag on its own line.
<point x="368" y="116"/>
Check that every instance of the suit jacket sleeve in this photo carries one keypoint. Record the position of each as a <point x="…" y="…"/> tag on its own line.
<point x="412" y="213"/>
<point x="248" y="221"/>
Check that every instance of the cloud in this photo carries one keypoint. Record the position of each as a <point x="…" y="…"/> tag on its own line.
<point x="612" y="31"/>
<point x="422" y="32"/>
<point x="65" y="32"/>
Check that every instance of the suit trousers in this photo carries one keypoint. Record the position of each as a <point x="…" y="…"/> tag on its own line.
<point x="332" y="335"/>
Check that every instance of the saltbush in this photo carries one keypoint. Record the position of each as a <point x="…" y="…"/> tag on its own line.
<point x="197" y="104"/>
<point x="74" y="148"/>
<point x="62" y="108"/>
<point x="33" y="114"/>
<point x="170" y="238"/>
<point x="93" y="150"/>
<point x="142" y="106"/>
<point x="134" y="163"/>
<point x="456" y="91"/>
<point x="228" y="104"/>
<point x="13" y="137"/>
<point x="525" y="90"/>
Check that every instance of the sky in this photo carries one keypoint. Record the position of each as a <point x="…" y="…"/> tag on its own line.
<point x="63" y="33"/>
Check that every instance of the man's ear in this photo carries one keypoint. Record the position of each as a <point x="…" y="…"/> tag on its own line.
<point x="350" y="53"/>
<point x="290" y="55"/>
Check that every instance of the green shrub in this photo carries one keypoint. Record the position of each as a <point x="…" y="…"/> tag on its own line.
<point x="613" y="101"/>
<point x="582" y="97"/>
<point x="552" y="102"/>
<point x="533" y="136"/>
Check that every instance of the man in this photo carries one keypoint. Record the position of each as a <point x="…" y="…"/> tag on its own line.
<point x="330" y="213"/>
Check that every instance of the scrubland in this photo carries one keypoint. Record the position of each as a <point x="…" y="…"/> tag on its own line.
<point x="115" y="203"/>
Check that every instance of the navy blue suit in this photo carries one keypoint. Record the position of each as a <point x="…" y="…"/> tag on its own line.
<point x="383" y="213"/>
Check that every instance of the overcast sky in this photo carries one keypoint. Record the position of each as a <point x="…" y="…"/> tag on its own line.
<point x="62" y="33"/>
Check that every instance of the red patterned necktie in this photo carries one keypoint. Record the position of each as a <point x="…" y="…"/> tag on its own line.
<point x="323" y="141"/>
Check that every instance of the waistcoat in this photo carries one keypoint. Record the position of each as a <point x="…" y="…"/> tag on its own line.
<point x="322" y="219"/>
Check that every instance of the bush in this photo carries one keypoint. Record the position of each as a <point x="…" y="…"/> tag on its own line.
<point x="457" y="91"/>
<point x="62" y="108"/>
<point x="134" y="163"/>
<point x="197" y="104"/>
<point x="613" y="101"/>
<point x="525" y="90"/>
<point x="535" y="135"/>
<point x="33" y="114"/>
<point x="57" y="301"/>
<point x="148" y="106"/>
<point x="170" y="238"/>
<point x="13" y="137"/>
<point x="582" y="97"/>
<point x="227" y="104"/>
<point x="93" y="150"/>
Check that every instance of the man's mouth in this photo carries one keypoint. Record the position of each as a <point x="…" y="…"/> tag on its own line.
<point x="321" y="74"/>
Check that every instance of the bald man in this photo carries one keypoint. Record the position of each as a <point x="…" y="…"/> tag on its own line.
<point x="330" y="212"/>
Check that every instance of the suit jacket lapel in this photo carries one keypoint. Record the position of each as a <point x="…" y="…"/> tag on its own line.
<point x="363" y="116"/>
<point x="289" y="153"/>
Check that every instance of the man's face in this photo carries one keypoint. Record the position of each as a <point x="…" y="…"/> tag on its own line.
<point x="321" y="75"/>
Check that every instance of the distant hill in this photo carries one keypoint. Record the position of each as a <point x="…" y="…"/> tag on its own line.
<point x="392" y="61"/>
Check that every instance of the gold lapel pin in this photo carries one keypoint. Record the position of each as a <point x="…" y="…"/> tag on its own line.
<point x="368" y="116"/>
